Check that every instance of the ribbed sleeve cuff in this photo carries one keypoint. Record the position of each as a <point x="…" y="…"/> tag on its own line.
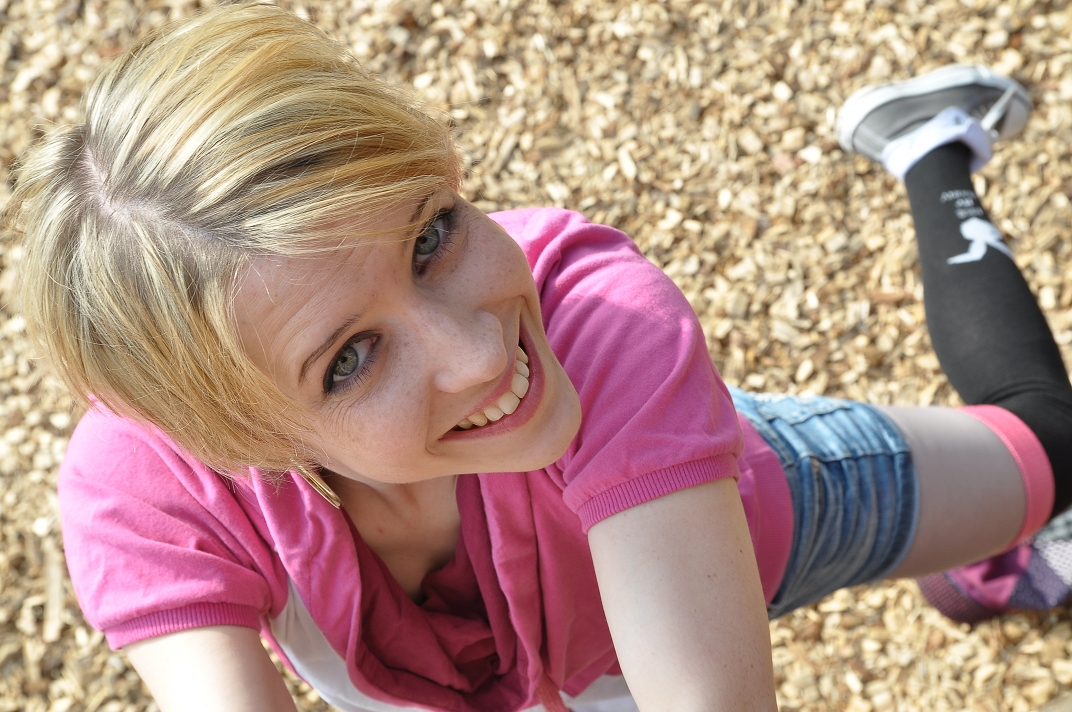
<point x="198" y="615"/>
<point x="654" y="485"/>
<point x="1030" y="458"/>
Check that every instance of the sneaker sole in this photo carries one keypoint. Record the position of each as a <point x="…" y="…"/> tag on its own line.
<point x="866" y="100"/>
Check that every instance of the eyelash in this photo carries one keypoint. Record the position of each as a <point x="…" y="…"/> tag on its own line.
<point x="446" y="239"/>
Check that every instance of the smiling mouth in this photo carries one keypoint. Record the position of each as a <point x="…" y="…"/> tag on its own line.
<point x="508" y="402"/>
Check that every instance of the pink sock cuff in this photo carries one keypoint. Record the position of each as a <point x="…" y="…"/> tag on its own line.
<point x="1030" y="458"/>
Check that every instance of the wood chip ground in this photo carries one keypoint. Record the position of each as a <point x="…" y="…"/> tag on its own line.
<point x="705" y="131"/>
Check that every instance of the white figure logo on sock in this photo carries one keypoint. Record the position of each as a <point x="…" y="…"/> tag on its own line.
<point x="981" y="234"/>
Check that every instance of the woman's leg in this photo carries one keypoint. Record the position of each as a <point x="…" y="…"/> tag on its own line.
<point x="982" y="485"/>
<point x="971" y="495"/>
<point x="996" y="349"/>
<point x="988" y="332"/>
<point x="906" y="491"/>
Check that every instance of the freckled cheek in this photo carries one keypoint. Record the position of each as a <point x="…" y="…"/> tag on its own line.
<point x="493" y="259"/>
<point x="374" y="441"/>
<point x="516" y="271"/>
<point x="510" y="277"/>
<point x="378" y="456"/>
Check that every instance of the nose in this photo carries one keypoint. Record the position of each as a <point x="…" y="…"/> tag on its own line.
<point x="465" y="349"/>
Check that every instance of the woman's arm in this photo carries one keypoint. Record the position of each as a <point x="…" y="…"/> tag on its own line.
<point x="681" y="591"/>
<point x="222" y="668"/>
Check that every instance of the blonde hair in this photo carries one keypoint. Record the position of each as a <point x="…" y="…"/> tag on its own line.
<point x="239" y="133"/>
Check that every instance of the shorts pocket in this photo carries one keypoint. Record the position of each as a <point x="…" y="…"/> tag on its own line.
<point x="795" y="409"/>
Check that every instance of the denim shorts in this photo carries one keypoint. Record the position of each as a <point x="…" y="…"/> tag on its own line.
<point x="855" y="492"/>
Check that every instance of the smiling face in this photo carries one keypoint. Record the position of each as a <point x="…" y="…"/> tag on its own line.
<point x="401" y="345"/>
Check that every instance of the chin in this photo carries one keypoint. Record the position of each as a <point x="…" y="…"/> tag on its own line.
<point x="560" y="427"/>
<point x="549" y="440"/>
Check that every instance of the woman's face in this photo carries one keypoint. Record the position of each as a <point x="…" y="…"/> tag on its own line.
<point x="402" y="344"/>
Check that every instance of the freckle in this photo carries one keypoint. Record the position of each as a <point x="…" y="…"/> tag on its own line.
<point x="379" y="529"/>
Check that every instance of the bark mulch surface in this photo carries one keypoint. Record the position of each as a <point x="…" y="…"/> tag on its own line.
<point x="705" y="131"/>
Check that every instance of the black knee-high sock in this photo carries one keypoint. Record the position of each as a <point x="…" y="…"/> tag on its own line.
<point x="987" y="330"/>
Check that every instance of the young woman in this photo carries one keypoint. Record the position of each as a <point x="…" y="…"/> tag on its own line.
<point x="449" y="461"/>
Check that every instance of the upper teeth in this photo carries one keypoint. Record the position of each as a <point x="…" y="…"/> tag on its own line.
<point x="509" y="401"/>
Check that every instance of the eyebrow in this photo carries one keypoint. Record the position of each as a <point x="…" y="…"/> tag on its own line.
<point x="353" y="319"/>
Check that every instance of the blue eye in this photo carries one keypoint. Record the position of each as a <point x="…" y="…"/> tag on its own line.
<point x="346" y="364"/>
<point x="351" y="363"/>
<point x="428" y="241"/>
<point x="428" y="244"/>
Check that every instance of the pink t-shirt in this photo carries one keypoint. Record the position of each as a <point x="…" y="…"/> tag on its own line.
<point x="156" y="542"/>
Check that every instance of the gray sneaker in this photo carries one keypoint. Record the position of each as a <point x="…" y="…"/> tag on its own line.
<point x="875" y="115"/>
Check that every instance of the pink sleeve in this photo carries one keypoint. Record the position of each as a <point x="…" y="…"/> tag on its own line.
<point x="156" y="543"/>
<point x="656" y="416"/>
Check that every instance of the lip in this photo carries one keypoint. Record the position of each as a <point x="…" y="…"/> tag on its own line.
<point x="524" y="411"/>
